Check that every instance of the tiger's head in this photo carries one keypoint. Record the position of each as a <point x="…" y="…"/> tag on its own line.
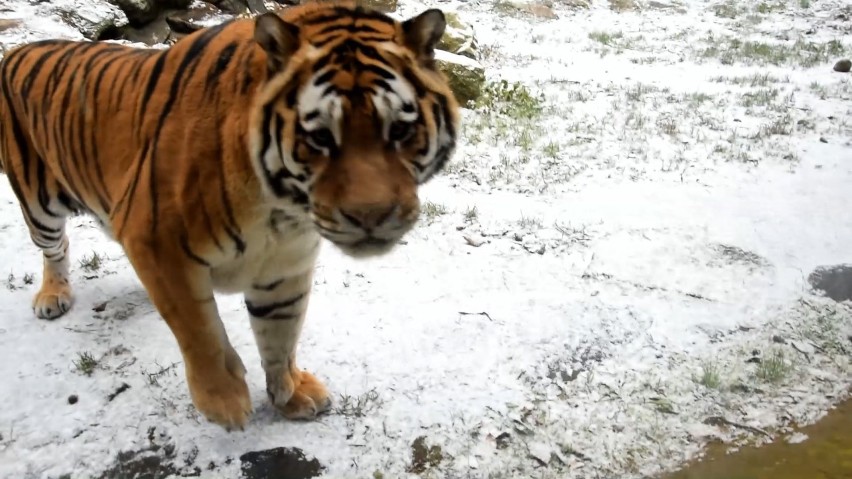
<point x="354" y="117"/>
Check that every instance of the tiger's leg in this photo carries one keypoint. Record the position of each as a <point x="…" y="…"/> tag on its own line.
<point x="54" y="298"/>
<point x="182" y="292"/>
<point x="277" y="310"/>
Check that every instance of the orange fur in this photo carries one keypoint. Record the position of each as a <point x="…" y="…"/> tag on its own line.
<point x="197" y="160"/>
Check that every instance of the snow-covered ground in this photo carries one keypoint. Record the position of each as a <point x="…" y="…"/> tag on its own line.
<point x="614" y="267"/>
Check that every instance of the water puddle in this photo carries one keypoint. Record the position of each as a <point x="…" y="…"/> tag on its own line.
<point x="826" y="454"/>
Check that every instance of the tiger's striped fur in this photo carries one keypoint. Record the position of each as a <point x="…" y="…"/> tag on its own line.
<point x="219" y="164"/>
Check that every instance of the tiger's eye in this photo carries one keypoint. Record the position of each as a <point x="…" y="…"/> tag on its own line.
<point x="400" y="131"/>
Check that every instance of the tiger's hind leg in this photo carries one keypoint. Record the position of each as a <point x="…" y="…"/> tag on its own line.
<point x="54" y="298"/>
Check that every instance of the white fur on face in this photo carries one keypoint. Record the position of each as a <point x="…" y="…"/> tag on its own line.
<point x="397" y="104"/>
<point x="318" y="111"/>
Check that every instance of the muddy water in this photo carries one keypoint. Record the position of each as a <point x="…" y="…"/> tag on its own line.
<point x="826" y="454"/>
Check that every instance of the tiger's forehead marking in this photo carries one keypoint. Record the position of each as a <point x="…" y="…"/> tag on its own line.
<point x="355" y="72"/>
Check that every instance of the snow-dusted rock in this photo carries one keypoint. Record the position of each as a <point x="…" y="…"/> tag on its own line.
<point x="386" y="6"/>
<point x="459" y="37"/>
<point x="466" y="75"/>
<point x="91" y="18"/>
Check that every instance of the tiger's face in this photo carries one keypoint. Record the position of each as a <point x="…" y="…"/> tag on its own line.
<point x="361" y="119"/>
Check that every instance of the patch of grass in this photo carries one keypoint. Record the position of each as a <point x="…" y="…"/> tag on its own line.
<point x="802" y="53"/>
<point x="605" y="38"/>
<point x="696" y="99"/>
<point x="92" y="262"/>
<point x="433" y="210"/>
<point x="729" y="9"/>
<point x="358" y="406"/>
<point x="805" y="3"/>
<point x="760" y="97"/>
<point x="770" y="7"/>
<point x="780" y="126"/>
<point x="753" y="80"/>
<point x="528" y="222"/>
<point x="514" y="100"/>
<point x="667" y="125"/>
<point x="85" y="363"/>
<point x="710" y="376"/>
<point x="471" y="214"/>
<point x="424" y="457"/>
<point x="639" y="91"/>
<point x="551" y="150"/>
<point x="774" y="368"/>
<point x="154" y="377"/>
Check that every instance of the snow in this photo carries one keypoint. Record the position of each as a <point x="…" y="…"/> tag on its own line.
<point x="683" y="247"/>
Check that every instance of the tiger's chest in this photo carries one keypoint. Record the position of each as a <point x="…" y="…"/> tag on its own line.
<point x="281" y="246"/>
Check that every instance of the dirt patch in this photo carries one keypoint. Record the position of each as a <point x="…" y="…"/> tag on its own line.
<point x="279" y="463"/>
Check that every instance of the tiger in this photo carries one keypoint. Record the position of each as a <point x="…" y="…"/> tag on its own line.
<point x="221" y="163"/>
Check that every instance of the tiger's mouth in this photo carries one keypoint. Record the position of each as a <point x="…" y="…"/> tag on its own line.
<point x="369" y="246"/>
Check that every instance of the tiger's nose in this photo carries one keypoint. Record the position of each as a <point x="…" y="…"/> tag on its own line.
<point x="370" y="216"/>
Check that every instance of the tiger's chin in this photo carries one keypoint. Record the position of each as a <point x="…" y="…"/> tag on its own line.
<point x="369" y="247"/>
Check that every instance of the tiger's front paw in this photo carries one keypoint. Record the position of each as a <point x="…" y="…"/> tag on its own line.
<point x="53" y="300"/>
<point x="309" y="396"/>
<point x="220" y="393"/>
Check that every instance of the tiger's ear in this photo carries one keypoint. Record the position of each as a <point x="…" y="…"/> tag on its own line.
<point x="279" y="39"/>
<point x="423" y="32"/>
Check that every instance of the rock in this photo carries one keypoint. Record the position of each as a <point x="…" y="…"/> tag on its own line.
<point x="459" y="37"/>
<point x="257" y="7"/>
<point x="230" y="6"/>
<point x="466" y="76"/>
<point x="195" y="18"/>
<point x="386" y="6"/>
<point x="623" y="5"/>
<point x="575" y="3"/>
<point x="535" y="8"/>
<point x="94" y="20"/>
<point x="155" y="32"/>
<point x="843" y="66"/>
<point x="835" y="281"/>
<point x="8" y="23"/>
<point x="666" y="6"/>
<point x="143" y="12"/>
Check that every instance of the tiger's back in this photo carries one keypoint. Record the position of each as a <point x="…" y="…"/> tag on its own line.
<point x="84" y="119"/>
<point x="220" y="162"/>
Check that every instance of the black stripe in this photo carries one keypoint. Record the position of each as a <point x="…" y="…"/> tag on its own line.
<point x="323" y="62"/>
<point x="269" y="286"/>
<point x="220" y="66"/>
<point x="20" y="143"/>
<point x="184" y="244"/>
<point x="153" y="78"/>
<point x="35" y="70"/>
<point x="86" y="142"/>
<point x="209" y="225"/>
<point x="325" y="77"/>
<point x="43" y="197"/>
<point x="245" y="68"/>
<point x="382" y="72"/>
<point x="127" y="197"/>
<point x="312" y="115"/>
<point x="383" y="85"/>
<point x="270" y="311"/>
<point x="92" y="142"/>
<point x="411" y="78"/>
<point x="184" y="72"/>
<point x="346" y="27"/>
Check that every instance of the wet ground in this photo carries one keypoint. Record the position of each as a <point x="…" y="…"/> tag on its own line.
<point x="826" y="454"/>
